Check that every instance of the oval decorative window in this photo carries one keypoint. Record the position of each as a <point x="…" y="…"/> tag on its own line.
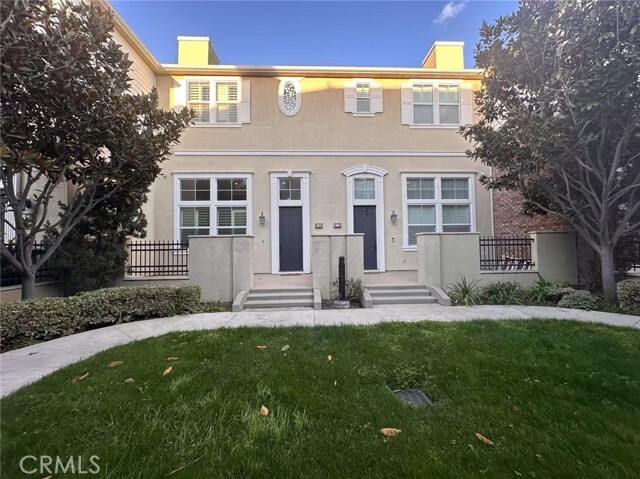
<point x="289" y="98"/>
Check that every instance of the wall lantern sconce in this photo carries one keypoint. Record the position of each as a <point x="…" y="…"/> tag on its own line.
<point x="261" y="218"/>
<point x="394" y="217"/>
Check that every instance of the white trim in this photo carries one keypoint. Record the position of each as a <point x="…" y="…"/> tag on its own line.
<point x="275" y="218"/>
<point x="364" y="169"/>
<point x="365" y="153"/>
<point x="296" y="84"/>
<point x="437" y="202"/>
<point x="368" y="171"/>
<point x="213" y="204"/>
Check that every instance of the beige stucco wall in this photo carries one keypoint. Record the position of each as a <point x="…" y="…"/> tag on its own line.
<point x="321" y="123"/>
<point x="327" y="191"/>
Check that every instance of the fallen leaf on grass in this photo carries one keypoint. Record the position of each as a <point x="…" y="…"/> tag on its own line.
<point x="167" y="371"/>
<point x="129" y="380"/>
<point x="264" y="411"/>
<point x="48" y="477"/>
<point x="114" y="364"/>
<point x="329" y="358"/>
<point x="79" y="378"/>
<point x="261" y="347"/>
<point x="172" y="359"/>
<point x="285" y="347"/>
<point x="390" y="431"/>
<point x="486" y="440"/>
<point x="184" y="343"/>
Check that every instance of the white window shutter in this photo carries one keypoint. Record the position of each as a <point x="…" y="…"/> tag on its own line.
<point x="244" y="108"/>
<point x="406" y="97"/>
<point x="179" y="94"/>
<point x="466" y="105"/>
<point x="349" y="97"/>
<point x="376" y="98"/>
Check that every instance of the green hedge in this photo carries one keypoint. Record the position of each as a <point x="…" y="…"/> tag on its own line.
<point x="24" y="322"/>
<point x="629" y="296"/>
<point x="578" y="299"/>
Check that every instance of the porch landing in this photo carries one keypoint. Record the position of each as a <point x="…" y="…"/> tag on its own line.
<point x="279" y="281"/>
<point x="391" y="278"/>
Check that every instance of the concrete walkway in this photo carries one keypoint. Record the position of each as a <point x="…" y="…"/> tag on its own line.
<point x="23" y="366"/>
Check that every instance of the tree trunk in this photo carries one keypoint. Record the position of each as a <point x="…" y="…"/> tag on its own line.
<point x="608" y="271"/>
<point x="28" y="285"/>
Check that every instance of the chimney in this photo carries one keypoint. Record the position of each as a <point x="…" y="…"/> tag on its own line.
<point x="196" y="51"/>
<point x="445" y="56"/>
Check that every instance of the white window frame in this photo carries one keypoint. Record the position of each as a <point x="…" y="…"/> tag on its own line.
<point x="436" y="103"/>
<point x="367" y="83"/>
<point x="213" y="204"/>
<point x="213" y="99"/>
<point x="438" y="202"/>
<point x="276" y="203"/>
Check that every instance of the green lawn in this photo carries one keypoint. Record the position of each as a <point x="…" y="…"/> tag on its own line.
<point x="559" y="399"/>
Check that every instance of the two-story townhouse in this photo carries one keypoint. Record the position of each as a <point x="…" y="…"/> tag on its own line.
<point x="287" y="152"/>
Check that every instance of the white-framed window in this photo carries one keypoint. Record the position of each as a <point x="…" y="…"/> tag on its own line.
<point x="290" y="189"/>
<point x="423" y="104"/>
<point x="437" y="203"/>
<point x="217" y="101"/>
<point x="212" y="204"/>
<point x="429" y="103"/>
<point x="363" y="97"/>
<point x="364" y="189"/>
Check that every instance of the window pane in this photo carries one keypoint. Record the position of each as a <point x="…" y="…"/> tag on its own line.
<point x="224" y="184"/>
<point x="456" y="228"/>
<point x="422" y="94"/>
<point x="421" y="215"/>
<point x="186" y="232"/>
<point x="456" y="214"/>
<point x="455" y="188"/>
<point x="449" y="114"/>
<point x="362" y="105"/>
<point x="414" y="230"/>
<point x="194" y="217"/>
<point x="192" y="190"/>
<point x="294" y="183"/>
<point x="421" y="189"/>
<point x="232" y="189"/>
<point x="364" y="189"/>
<point x="423" y="114"/>
<point x="227" y="113"/>
<point x="200" y="111"/>
<point x="448" y="93"/>
<point x="295" y="194"/>
<point x="285" y="194"/>
<point x="231" y="217"/>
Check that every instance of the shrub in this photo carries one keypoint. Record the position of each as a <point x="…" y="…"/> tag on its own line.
<point x="541" y="291"/>
<point x="629" y="296"/>
<point x="503" y="293"/>
<point x="465" y="292"/>
<point x="556" y="293"/>
<point x="353" y="288"/>
<point x="24" y="322"/>
<point x="578" y="299"/>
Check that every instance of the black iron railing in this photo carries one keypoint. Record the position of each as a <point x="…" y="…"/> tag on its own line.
<point x="507" y="253"/>
<point x="628" y="253"/>
<point x="158" y="258"/>
<point x="9" y="276"/>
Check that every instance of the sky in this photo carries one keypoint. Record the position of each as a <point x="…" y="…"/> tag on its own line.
<point x="356" y="33"/>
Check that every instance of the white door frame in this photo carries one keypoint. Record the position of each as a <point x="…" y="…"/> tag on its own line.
<point x="368" y="171"/>
<point x="276" y="203"/>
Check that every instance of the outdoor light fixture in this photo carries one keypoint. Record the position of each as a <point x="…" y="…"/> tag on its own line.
<point x="261" y="217"/>
<point x="394" y="217"/>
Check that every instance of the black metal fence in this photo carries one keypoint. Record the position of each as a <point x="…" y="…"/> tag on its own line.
<point x="507" y="253"/>
<point x="158" y="258"/>
<point x="628" y="253"/>
<point x="9" y="276"/>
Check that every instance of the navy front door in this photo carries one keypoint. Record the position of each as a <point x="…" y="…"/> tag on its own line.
<point x="364" y="221"/>
<point x="291" y="238"/>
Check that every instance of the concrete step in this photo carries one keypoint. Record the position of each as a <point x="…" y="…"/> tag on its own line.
<point x="404" y="300"/>
<point x="266" y="294"/>
<point x="394" y="287"/>
<point x="279" y="303"/>
<point x="399" y="292"/>
<point x="280" y="290"/>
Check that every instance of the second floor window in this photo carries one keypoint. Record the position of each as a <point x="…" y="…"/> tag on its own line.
<point x="436" y="103"/>
<point x="363" y="98"/>
<point x="200" y="101"/>
<point x="227" y="102"/>
<point x="449" y="104"/>
<point x="423" y="104"/>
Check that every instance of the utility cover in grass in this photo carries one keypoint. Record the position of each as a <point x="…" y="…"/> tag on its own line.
<point x="414" y="397"/>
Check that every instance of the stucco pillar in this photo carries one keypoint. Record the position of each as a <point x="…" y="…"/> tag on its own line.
<point x="555" y="256"/>
<point x="321" y="265"/>
<point x="242" y="273"/>
<point x="428" y="259"/>
<point x="355" y="256"/>
<point x="211" y="266"/>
